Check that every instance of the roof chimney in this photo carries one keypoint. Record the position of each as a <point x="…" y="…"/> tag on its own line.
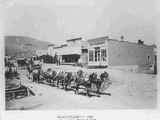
<point x="140" y="42"/>
<point x="122" y="38"/>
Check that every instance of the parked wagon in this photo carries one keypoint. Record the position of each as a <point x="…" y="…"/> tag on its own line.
<point x="16" y="93"/>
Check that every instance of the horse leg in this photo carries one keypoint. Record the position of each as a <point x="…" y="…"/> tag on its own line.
<point x="65" y="86"/>
<point x="28" y="75"/>
<point x="57" y="83"/>
<point x="87" y="91"/>
<point x="98" y="85"/>
<point x="33" y="78"/>
<point x="77" y="89"/>
<point x="88" y="86"/>
<point x="98" y="90"/>
<point x="49" y="81"/>
<point x="52" y="81"/>
<point x="38" y="79"/>
<point x="62" y="84"/>
<point x="98" y="93"/>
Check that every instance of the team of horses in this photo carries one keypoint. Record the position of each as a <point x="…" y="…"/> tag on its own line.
<point x="66" y="80"/>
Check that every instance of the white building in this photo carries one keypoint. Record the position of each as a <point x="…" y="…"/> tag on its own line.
<point x="50" y="50"/>
<point x="104" y="51"/>
<point x="69" y="52"/>
<point x="41" y="52"/>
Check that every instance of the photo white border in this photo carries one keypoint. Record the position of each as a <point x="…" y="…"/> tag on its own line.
<point x="114" y="114"/>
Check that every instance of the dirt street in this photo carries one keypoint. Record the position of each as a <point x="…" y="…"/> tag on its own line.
<point x="128" y="90"/>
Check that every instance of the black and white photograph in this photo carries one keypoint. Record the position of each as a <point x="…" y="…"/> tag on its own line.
<point x="80" y="54"/>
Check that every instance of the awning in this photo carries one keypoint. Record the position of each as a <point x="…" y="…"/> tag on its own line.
<point x="69" y="51"/>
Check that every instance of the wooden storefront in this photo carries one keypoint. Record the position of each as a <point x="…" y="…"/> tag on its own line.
<point x="97" y="52"/>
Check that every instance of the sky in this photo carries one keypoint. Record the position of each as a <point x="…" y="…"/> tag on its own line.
<point x="58" y="20"/>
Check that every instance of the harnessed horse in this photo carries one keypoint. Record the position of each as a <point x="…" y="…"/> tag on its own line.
<point x="93" y="79"/>
<point x="69" y="77"/>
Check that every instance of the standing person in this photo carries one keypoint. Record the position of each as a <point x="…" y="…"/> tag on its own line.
<point x="56" y="59"/>
<point x="41" y="63"/>
<point x="59" y="60"/>
<point x="31" y="61"/>
<point x="15" y="66"/>
<point x="29" y="68"/>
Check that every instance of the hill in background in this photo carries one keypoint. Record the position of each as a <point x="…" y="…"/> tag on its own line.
<point x="22" y="46"/>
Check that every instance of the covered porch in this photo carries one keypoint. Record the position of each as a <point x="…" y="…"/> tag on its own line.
<point x="70" y="59"/>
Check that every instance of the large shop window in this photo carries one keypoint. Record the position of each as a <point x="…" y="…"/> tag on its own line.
<point x="103" y="54"/>
<point x="97" y="54"/>
<point x="90" y="55"/>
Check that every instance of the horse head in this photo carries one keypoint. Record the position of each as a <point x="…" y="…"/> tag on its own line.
<point x="93" y="77"/>
<point x="104" y="76"/>
<point x="54" y="73"/>
<point x="80" y="73"/>
<point x="69" y="75"/>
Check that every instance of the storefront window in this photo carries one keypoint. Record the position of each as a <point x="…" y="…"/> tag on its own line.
<point x="103" y="54"/>
<point x="90" y="55"/>
<point x="97" y="54"/>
